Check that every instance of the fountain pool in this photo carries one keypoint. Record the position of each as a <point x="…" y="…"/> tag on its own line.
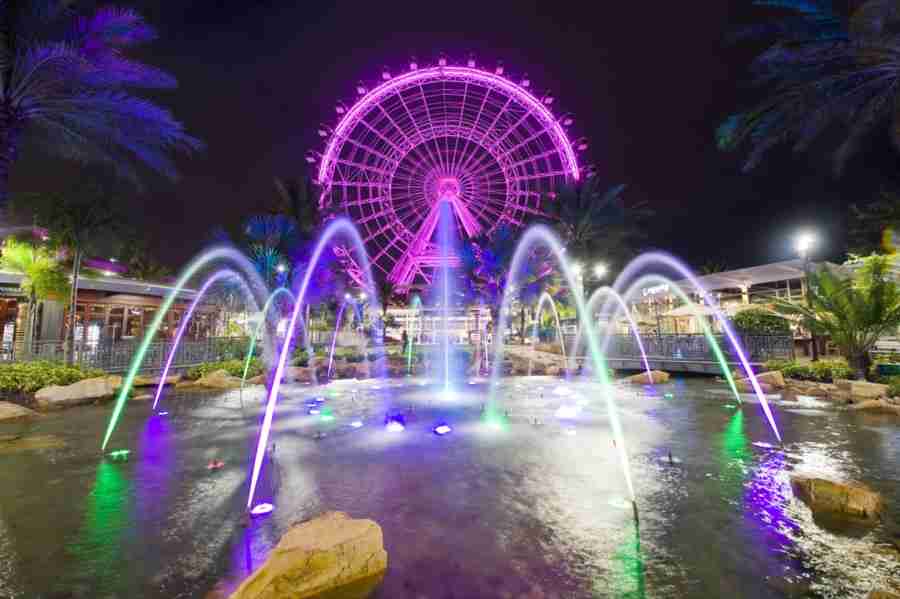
<point x="536" y="508"/>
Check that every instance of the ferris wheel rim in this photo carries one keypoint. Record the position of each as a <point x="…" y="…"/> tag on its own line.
<point x="561" y="141"/>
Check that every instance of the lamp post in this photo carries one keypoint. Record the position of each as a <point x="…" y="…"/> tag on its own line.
<point x="804" y="243"/>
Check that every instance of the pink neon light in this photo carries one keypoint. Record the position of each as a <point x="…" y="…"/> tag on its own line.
<point x="400" y="143"/>
<point x="182" y="327"/>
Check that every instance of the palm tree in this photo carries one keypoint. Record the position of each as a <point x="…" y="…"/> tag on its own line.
<point x="854" y="312"/>
<point x="81" y="221"/>
<point x="66" y="85"/>
<point x="823" y="69"/>
<point x="598" y="225"/>
<point x="870" y="226"/>
<point x="43" y="278"/>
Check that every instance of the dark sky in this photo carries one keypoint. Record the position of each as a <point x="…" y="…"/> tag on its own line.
<point x="647" y="83"/>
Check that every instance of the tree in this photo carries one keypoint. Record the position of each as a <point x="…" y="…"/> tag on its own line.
<point x="854" y="311"/>
<point x="824" y="70"/>
<point x="43" y="277"/>
<point x="143" y="266"/>
<point x="67" y="85"/>
<point x="871" y="226"/>
<point x="81" y="221"/>
<point x="597" y="225"/>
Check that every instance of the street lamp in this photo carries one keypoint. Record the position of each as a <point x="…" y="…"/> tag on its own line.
<point x="362" y="296"/>
<point x="281" y="268"/>
<point x="804" y="243"/>
<point x="600" y="270"/>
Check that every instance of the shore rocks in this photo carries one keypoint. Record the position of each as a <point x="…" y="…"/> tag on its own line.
<point x="746" y="386"/>
<point x="809" y="388"/>
<point x="825" y="497"/>
<point x="15" y="421"/>
<point x="219" y="379"/>
<point x="57" y="397"/>
<point x="331" y="554"/>
<point x="773" y="379"/>
<point x="882" y="406"/>
<point x="654" y="377"/>
<point x="882" y="595"/>
<point x="861" y="390"/>
<point x="153" y="381"/>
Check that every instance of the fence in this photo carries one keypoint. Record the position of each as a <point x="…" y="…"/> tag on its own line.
<point x="695" y="348"/>
<point x="116" y="356"/>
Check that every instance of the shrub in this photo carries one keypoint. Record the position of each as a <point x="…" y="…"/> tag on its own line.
<point x="28" y="377"/>
<point x="823" y="371"/>
<point x="232" y="367"/>
<point x="893" y="384"/>
<point x="759" y="321"/>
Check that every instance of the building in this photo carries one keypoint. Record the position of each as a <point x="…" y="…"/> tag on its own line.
<point x="108" y="309"/>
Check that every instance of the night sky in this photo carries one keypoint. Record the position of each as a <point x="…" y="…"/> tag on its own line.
<point x="647" y="83"/>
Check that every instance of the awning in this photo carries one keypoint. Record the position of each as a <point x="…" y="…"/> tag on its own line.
<point x="690" y="310"/>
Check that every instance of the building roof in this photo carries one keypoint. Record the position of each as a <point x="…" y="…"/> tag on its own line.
<point x="111" y="285"/>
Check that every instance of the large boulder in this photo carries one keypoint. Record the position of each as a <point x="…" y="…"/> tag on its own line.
<point x="15" y="420"/>
<point x="57" y="397"/>
<point x="331" y="556"/>
<point x="654" y="377"/>
<point x="152" y="381"/>
<point x="219" y="379"/>
<point x="829" y="498"/>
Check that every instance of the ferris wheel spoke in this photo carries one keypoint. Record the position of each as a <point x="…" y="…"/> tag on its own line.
<point x="415" y="147"/>
<point x="415" y="123"/>
<point x="489" y="130"/>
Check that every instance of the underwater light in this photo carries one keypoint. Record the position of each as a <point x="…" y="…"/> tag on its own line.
<point x="120" y="454"/>
<point x="319" y="399"/>
<point x="356" y="424"/>
<point x="261" y="509"/>
<point x="669" y="395"/>
<point x="395" y="424"/>
<point x="314" y="411"/>
<point x="442" y="429"/>
<point x="164" y="413"/>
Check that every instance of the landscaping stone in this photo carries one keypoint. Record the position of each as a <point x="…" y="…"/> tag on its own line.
<point x="15" y="421"/>
<point x="882" y="595"/>
<point x="331" y="556"/>
<point x="57" y="397"/>
<point x="876" y="405"/>
<point x="773" y="378"/>
<point x="746" y="386"/>
<point x="219" y="379"/>
<point x="655" y="377"/>
<point x="825" y="497"/>
<point x="809" y="388"/>
<point x="259" y="379"/>
<point x="153" y="381"/>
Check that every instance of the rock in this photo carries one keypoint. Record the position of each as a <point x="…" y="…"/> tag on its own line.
<point x="219" y="379"/>
<point x="773" y="378"/>
<point x="15" y="421"/>
<point x="259" y="379"/>
<point x="655" y="377"/>
<point x="57" y="397"/>
<point x="825" y="497"/>
<point x="876" y="405"/>
<point x="809" y="388"/>
<point x="153" y="381"/>
<point x="332" y="554"/>
<point x="746" y="386"/>
<point x="863" y="390"/>
<point x="143" y="397"/>
<point x="882" y="595"/>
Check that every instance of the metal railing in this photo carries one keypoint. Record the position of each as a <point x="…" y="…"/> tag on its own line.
<point x="116" y="356"/>
<point x="695" y="348"/>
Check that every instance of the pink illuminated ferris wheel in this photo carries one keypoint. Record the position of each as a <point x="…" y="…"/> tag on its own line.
<point x="459" y="134"/>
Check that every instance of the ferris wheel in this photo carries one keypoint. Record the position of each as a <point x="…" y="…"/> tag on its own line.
<point x="460" y="134"/>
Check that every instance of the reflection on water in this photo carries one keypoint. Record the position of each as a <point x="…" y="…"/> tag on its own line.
<point x="535" y="508"/>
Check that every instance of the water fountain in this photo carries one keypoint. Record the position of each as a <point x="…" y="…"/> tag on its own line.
<point x="671" y="263"/>
<point x="543" y="236"/>
<point x="258" y="330"/>
<point x="414" y="304"/>
<point x="340" y="226"/>
<point x="207" y="258"/>
<point x="546" y="299"/>
<point x="348" y="300"/>
<point x="186" y="320"/>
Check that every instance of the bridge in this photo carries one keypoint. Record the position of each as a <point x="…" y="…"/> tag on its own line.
<point x="691" y="353"/>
